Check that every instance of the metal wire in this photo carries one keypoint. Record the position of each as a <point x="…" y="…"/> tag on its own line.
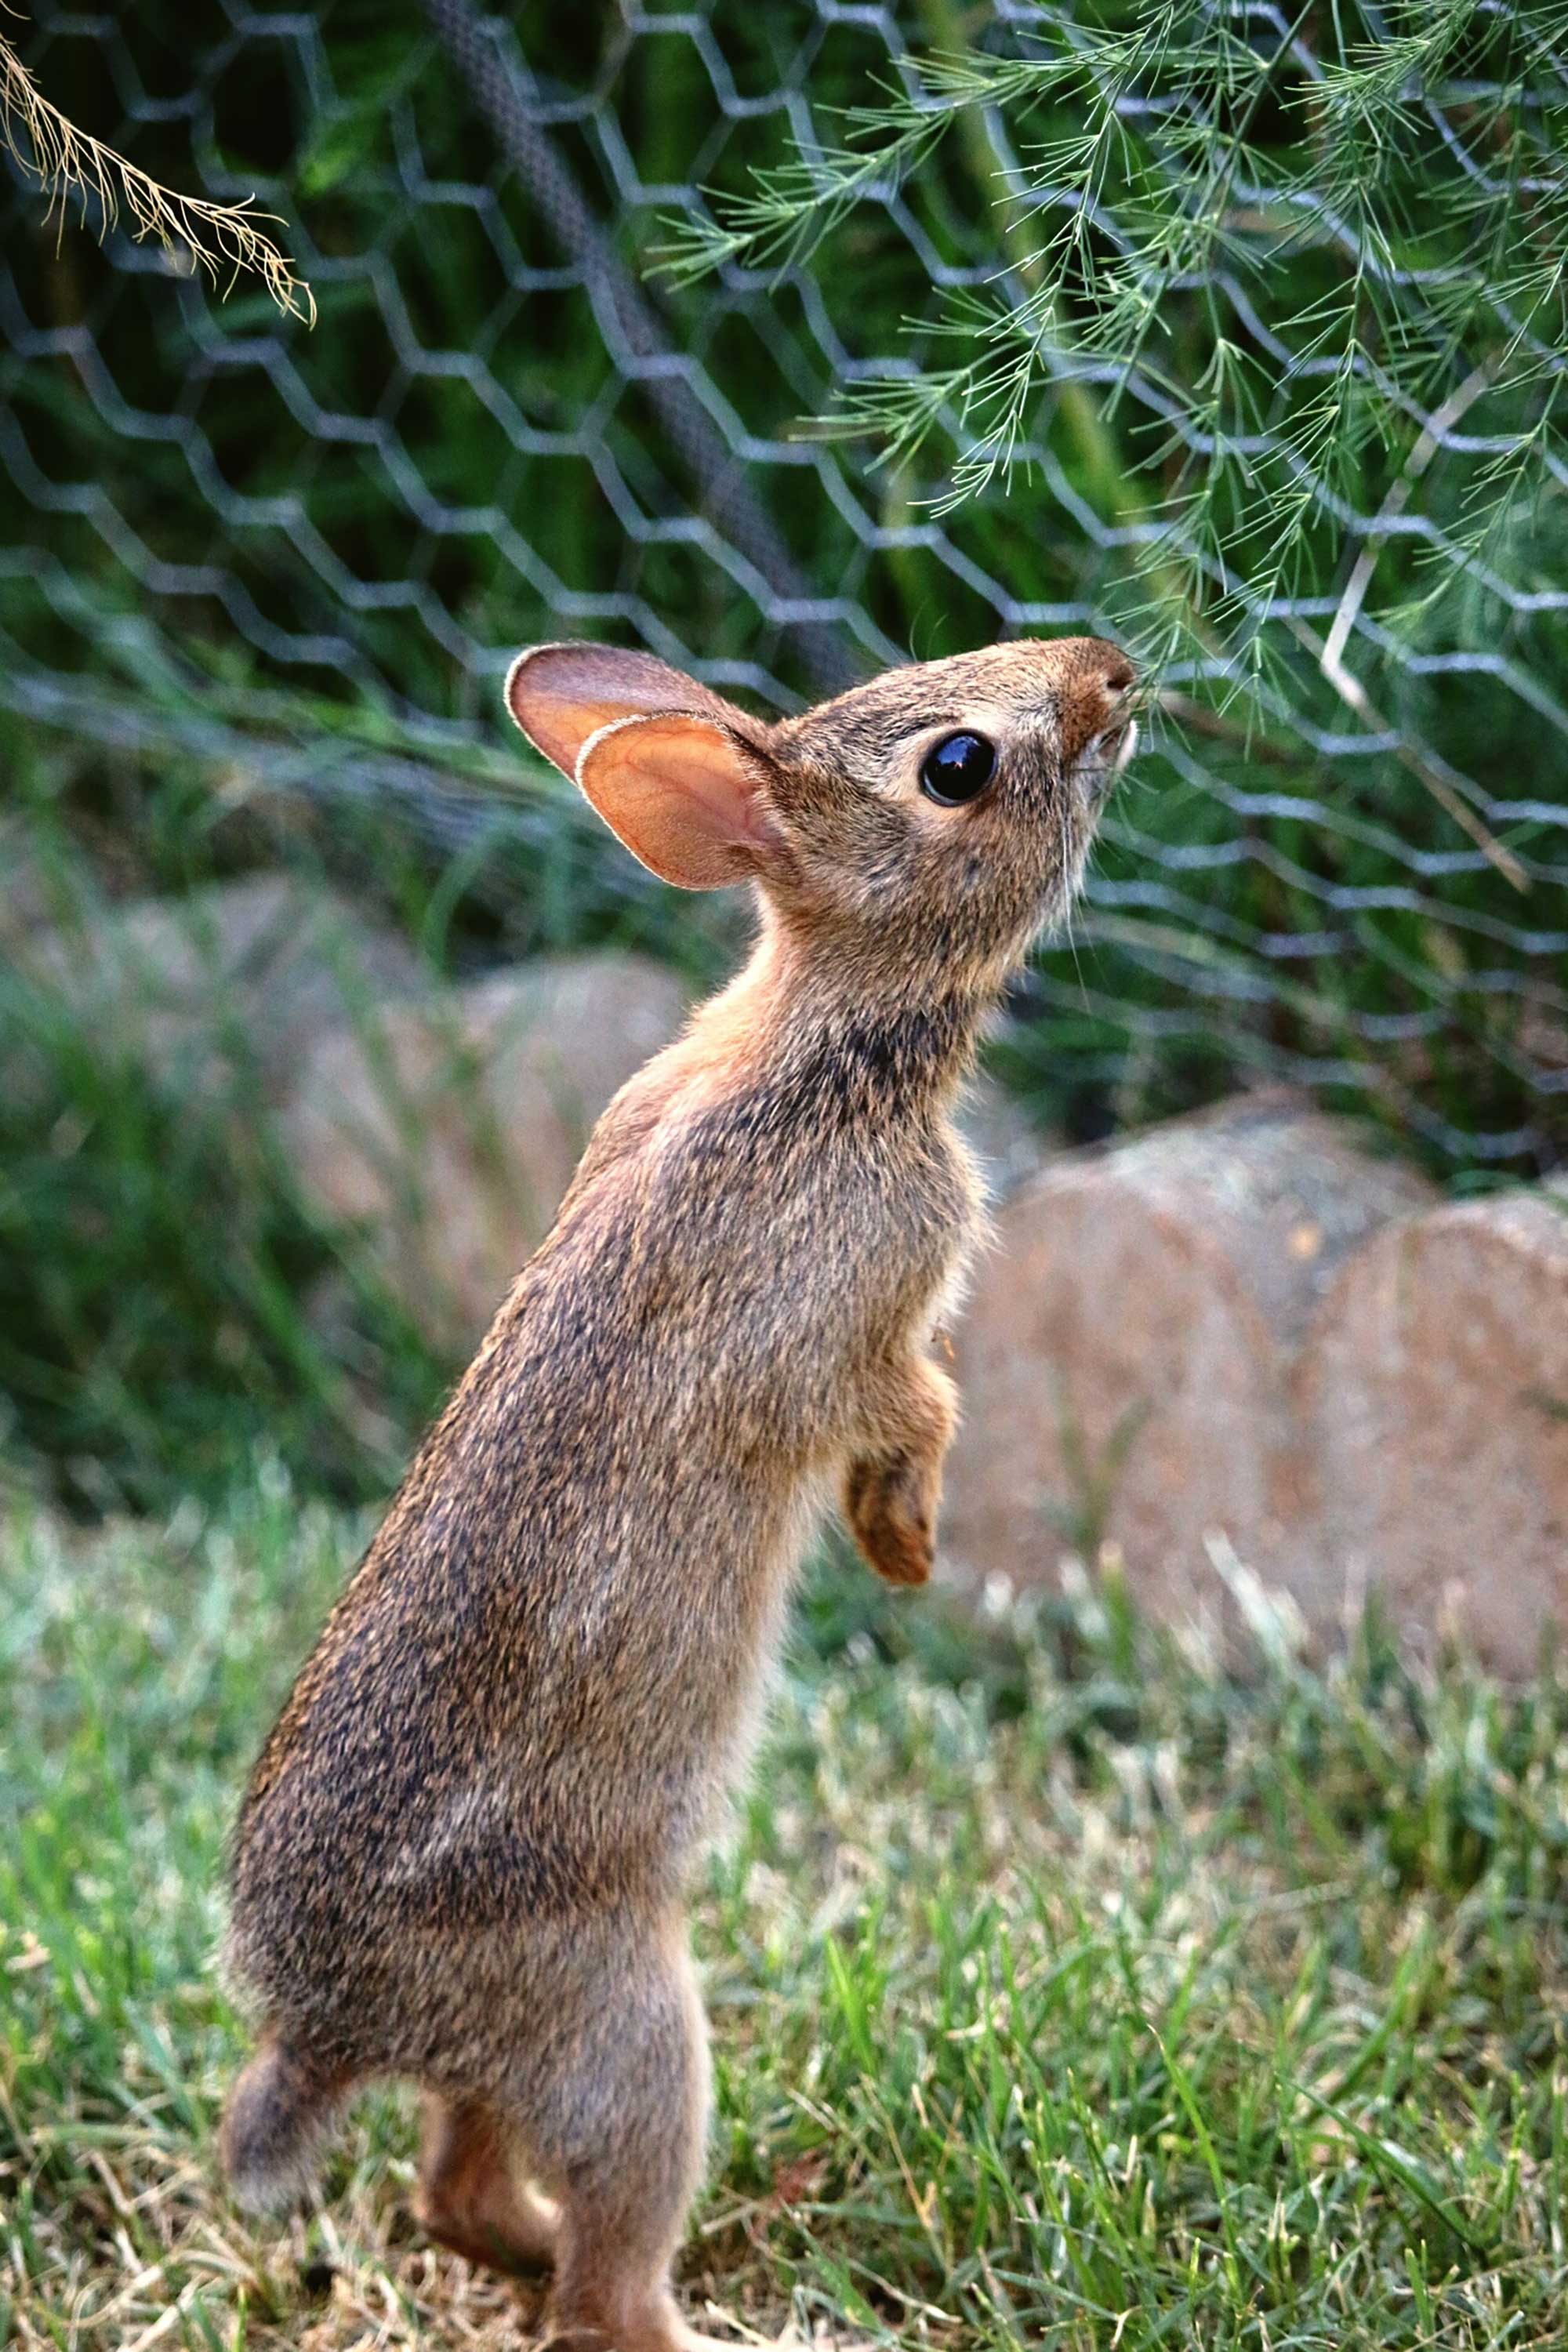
<point x="305" y="559"/>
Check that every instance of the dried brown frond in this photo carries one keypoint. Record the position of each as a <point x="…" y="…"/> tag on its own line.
<point x="217" y="238"/>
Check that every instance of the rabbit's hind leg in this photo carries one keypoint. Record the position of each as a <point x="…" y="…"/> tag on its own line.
<point x="469" y="2195"/>
<point x="619" y="2135"/>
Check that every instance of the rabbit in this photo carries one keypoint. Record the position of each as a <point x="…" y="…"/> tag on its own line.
<point x="464" y="1854"/>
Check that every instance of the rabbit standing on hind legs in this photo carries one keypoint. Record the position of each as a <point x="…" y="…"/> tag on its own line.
<point x="464" y="1854"/>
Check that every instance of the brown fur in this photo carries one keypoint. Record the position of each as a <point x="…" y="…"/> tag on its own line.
<point x="463" y="1856"/>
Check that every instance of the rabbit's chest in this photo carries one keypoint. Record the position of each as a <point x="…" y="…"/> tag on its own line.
<point x="784" y="1308"/>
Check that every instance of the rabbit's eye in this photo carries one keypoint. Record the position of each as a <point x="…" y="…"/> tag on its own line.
<point x="957" y="769"/>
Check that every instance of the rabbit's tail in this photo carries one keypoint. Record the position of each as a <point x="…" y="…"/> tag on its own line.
<point x="278" y="2119"/>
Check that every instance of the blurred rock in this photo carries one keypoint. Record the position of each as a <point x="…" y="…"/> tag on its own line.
<point x="1126" y="1357"/>
<point x="1432" y="1404"/>
<point x="233" y="979"/>
<point x="1002" y="1136"/>
<point x="449" y="1132"/>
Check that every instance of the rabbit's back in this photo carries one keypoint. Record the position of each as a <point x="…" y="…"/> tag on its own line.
<point x="545" y="1670"/>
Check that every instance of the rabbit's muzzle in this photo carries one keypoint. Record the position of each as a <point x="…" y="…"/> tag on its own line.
<point x="1099" y="733"/>
<point x="1105" y="757"/>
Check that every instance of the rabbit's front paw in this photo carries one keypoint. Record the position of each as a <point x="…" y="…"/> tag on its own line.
<point x="892" y="1517"/>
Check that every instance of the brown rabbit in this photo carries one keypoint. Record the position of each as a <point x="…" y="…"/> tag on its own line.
<point x="463" y="1856"/>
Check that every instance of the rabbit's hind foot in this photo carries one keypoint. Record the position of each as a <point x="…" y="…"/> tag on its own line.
<point x="657" y="2327"/>
<point x="664" y="2330"/>
<point x="469" y="2196"/>
<point x="621" y="2137"/>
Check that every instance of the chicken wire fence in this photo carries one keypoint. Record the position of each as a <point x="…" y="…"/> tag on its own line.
<point x="300" y="559"/>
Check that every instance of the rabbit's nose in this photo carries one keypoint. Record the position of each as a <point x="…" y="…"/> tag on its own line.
<point x="1095" y="703"/>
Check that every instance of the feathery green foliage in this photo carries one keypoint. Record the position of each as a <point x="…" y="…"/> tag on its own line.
<point x="1278" y="312"/>
<point x="1297" y="252"/>
<point x="1239" y="333"/>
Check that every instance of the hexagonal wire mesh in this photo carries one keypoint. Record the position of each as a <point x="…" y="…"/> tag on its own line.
<point x="306" y="557"/>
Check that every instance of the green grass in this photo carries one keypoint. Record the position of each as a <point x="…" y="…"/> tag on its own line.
<point x="1066" y="1988"/>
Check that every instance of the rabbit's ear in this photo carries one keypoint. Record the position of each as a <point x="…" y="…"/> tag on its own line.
<point x="560" y="695"/>
<point x="688" y="796"/>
